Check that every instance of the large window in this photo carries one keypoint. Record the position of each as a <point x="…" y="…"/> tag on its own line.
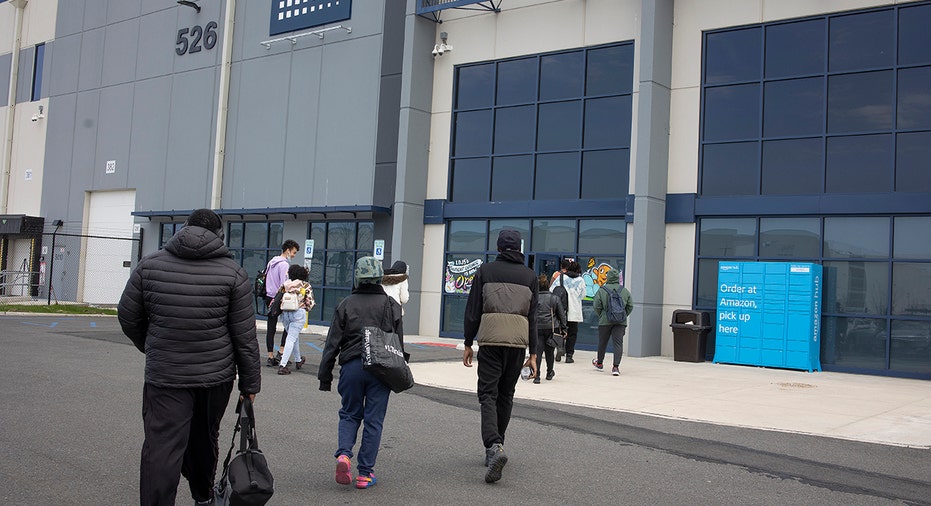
<point x="877" y="273"/>
<point x="337" y="246"/>
<point x="545" y="127"/>
<point x="253" y="244"/>
<point x="597" y="244"/>
<point x="837" y="104"/>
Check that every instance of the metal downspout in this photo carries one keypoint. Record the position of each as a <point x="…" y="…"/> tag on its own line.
<point x="216" y="193"/>
<point x="19" y="5"/>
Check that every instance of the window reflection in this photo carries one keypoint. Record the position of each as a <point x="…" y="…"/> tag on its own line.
<point x="858" y="102"/>
<point x="910" y="346"/>
<point x="856" y="237"/>
<point x="911" y="288"/>
<point x="554" y="235"/>
<point x="913" y="150"/>
<point x="857" y="287"/>
<point x="795" y="238"/>
<point x="727" y="237"/>
<point x="732" y="56"/>
<point x="911" y="237"/>
<point x="862" y="40"/>
<point x="561" y="75"/>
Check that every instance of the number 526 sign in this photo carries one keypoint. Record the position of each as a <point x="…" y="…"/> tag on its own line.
<point x="196" y="38"/>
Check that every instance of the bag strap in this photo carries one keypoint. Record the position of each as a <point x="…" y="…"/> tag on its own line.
<point x="386" y="315"/>
<point x="229" y="454"/>
<point x="552" y="319"/>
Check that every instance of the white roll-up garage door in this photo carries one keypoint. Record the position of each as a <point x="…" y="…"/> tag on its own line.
<point x="110" y="226"/>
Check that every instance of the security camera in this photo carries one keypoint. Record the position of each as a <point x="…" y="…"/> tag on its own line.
<point x="35" y="117"/>
<point x="441" y="49"/>
<point x="436" y="50"/>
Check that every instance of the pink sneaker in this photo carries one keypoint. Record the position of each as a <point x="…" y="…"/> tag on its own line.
<point x="363" y="481"/>
<point x="598" y="365"/>
<point x="343" y="473"/>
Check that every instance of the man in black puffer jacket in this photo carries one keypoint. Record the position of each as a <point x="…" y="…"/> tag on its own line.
<point x="188" y="307"/>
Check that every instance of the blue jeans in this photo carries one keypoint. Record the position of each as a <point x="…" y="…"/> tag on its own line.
<point x="293" y="323"/>
<point x="365" y="399"/>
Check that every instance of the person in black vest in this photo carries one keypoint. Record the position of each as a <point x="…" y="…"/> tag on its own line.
<point x="501" y="313"/>
<point x="189" y="308"/>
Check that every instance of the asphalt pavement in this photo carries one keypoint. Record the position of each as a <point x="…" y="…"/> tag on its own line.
<point x="72" y="432"/>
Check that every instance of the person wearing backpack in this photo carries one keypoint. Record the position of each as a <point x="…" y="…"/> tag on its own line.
<point x="613" y="305"/>
<point x="276" y="273"/>
<point x="295" y="319"/>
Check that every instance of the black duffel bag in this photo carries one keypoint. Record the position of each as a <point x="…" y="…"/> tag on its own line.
<point x="246" y="480"/>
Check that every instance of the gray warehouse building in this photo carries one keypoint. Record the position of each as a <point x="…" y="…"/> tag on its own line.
<point x="657" y="137"/>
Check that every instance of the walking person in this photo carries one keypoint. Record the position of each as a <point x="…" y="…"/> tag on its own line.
<point x="189" y="308"/>
<point x="611" y="323"/>
<point x="294" y="321"/>
<point x="551" y="320"/>
<point x="575" y="286"/>
<point x="395" y="283"/>
<point x="276" y="273"/>
<point x="364" y="397"/>
<point x="501" y="313"/>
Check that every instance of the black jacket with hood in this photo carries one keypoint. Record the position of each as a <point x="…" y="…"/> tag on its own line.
<point x="364" y="308"/>
<point x="189" y="307"/>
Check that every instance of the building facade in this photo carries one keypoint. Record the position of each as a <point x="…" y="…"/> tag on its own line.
<point x="657" y="137"/>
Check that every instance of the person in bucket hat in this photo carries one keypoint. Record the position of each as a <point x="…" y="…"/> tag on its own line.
<point x="364" y="397"/>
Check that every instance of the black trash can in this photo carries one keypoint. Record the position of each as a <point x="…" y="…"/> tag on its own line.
<point x="690" y="334"/>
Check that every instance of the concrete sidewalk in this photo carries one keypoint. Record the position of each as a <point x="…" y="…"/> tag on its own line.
<point x="874" y="409"/>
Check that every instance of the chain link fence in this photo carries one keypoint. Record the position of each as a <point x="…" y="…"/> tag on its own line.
<point x="68" y="268"/>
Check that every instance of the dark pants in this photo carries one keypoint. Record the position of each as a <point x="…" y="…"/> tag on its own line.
<point x="616" y="334"/>
<point x="365" y="400"/>
<point x="542" y="337"/>
<point x="270" y="332"/>
<point x="498" y="370"/>
<point x="181" y="429"/>
<point x="572" y="332"/>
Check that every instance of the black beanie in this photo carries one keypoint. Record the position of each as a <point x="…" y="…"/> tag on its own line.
<point x="398" y="267"/>
<point x="205" y="218"/>
<point x="509" y="240"/>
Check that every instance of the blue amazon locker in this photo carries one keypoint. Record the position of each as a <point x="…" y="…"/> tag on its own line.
<point x="769" y="314"/>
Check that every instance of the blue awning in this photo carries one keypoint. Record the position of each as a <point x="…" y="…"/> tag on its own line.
<point x="326" y="212"/>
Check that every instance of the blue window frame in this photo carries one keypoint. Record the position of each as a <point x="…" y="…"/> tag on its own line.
<point x="337" y="246"/>
<point x="875" y="316"/>
<point x="835" y="104"/>
<point x="553" y="126"/>
<point x="819" y="113"/>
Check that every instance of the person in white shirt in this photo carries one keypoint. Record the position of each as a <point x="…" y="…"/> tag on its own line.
<point x="575" y="286"/>
<point x="395" y="283"/>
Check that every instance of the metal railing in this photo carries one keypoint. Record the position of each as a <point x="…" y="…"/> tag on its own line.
<point x="18" y="285"/>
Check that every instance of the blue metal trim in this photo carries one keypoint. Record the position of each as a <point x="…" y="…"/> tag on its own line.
<point x="267" y="211"/>
<point x="828" y="204"/>
<point x="433" y="211"/>
<point x="680" y="208"/>
<point x="539" y="209"/>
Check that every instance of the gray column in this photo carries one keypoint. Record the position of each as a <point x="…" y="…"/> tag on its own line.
<point x="645" y="267"/>
<point x="413" y="154"/>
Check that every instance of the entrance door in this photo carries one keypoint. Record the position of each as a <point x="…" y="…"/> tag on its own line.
<point x="544" y="263"/>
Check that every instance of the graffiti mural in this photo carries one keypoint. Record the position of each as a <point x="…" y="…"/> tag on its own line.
<point x="460" y="273"/>
<point x="595" y="276"/>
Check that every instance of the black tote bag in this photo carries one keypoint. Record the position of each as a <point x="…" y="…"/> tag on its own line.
<point x="383" y="357"/>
